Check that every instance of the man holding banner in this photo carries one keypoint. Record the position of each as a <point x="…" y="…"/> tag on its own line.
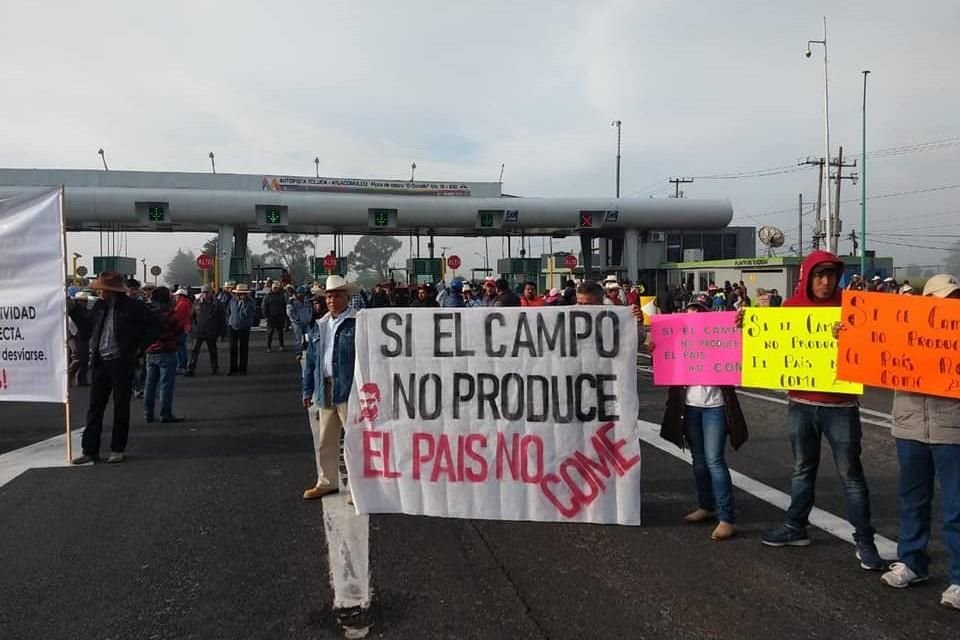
<point x="811" y="415"/>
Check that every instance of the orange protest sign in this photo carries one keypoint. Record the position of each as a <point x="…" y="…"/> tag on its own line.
<point x="908" y="343"/>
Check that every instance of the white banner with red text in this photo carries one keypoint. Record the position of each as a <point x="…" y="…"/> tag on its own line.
<point x="499" y="414"/>
<point x="33" y="356"/>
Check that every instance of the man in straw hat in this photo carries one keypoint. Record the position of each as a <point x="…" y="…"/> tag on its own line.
<point x="119" y="328"/>
<point x="327" y="378"/>
<point x="241" y="313"/>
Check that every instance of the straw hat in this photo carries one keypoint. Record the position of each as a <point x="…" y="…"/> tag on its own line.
<point x="109" y="281"/>
<point x="241" y="288"/>
<point x="337" y="283"/>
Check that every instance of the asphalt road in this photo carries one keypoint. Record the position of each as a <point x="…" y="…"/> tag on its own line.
<point x="202" y="534"/>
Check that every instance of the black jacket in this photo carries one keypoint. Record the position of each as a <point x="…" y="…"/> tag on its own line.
<point x="673" y="429"/>
<point x="275" y="305"/>
<point x="134" y="325"/>
<point x="208" y="319"/>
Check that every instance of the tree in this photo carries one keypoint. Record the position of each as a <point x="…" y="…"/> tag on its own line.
<point x="289" y="250"/>
<point x="373" y="254"/>
<point x="182" y="270"/>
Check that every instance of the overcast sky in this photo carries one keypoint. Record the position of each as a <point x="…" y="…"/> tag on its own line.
<point x="702" y="87"/>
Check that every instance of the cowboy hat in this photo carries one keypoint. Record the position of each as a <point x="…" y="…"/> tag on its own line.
<point x="241" y="288"/>
<point x="109" y="281"/>
<point x="181" y="292"/>
<point x="337" y="283"/>
<point x="941" y="285"/>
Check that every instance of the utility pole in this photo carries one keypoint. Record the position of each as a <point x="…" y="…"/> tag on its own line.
<point x="839" y="177"/>
<point x="853" y="238"/>
<point x="818" y="232"/>
<point x="800" y="224"/>
<point x="618" y="124"/>
<point x="676" y="182"/>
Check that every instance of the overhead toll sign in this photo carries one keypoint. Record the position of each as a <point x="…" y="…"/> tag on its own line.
<point x="382" y="218"/>
<point x="271" y="215"/>
<point x="907" y="343"/>
<point x="490" y="218"/>
<point x="364" y="185"/>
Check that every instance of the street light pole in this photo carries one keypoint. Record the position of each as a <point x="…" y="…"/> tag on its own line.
<point x="831" y="220"/>
<point x="618" y="124"/>
<point x="213" y="164"/>
<point x="316" y="165"/>
<point x="863" y="181"/>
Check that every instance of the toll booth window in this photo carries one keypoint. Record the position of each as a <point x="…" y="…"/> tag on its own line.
<point x="272" y="216"/>
<point x="711" y="246"/>
<point x="674" y="248"/>
<point x="155" y="214"/>
<point x="730" y="245"/>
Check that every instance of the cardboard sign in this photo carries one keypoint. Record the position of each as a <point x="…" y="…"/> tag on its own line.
<point x="792" y="348"/>
<point x="696" y="348"/>
<point x="511" y="414"/>
<point x="908" y="343"/>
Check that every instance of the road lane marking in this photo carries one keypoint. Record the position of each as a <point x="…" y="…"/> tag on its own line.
<point x="46" y="453"/>
<point x="348" y="545"/>
<point x="834" y="525"/>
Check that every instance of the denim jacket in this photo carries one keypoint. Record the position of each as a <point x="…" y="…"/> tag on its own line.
<point x="241" y="313"/>
<point x="300" y="312"/>
<point x="343" y="359"/>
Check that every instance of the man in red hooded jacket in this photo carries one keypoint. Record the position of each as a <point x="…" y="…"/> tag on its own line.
<point x="814" y="414"/>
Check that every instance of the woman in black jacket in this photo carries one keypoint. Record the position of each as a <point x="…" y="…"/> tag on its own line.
<point x="702" y="418"/>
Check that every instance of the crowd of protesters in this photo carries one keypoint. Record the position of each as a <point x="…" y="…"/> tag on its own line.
<point x="134" y="340"/>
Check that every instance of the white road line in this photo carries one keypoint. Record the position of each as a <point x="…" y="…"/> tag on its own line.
<point x="834" y="525"/>
<point x="348" y="546"/>
<point x="46" y="453"/>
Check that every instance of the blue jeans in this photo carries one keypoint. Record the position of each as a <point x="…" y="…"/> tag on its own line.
<point x="919" y="462"/>
<point x="706" y="430"/>
<point x="162" y="369"/>
<point x="183" y="359"/>
<point x="841" y="426"/>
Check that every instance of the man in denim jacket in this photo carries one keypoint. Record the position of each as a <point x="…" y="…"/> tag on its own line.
<point x="327" y="378"/>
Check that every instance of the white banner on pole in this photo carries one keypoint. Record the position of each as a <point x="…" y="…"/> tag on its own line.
<point x="501" y="414"/>
<point x="33" y="359"/>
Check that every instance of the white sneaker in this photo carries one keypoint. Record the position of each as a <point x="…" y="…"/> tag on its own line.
<point x="901" y="576"/>
<point x="951" y="597"/>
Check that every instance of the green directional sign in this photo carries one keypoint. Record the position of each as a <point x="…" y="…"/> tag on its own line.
<point x="486" y="219"/>
<point x="156" y="214"/>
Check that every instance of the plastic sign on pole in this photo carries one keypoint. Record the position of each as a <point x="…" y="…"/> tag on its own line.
<point x="792" y="348"/>
<point x="907" y="343"/>
<point x="454" y="262"/>
<point x="204" y="262"/>
<point x="330" y="263"/>
<point x="570" y="262"/>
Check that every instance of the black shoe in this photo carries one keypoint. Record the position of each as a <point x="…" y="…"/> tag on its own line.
<point x="148" y="418"/>
<point x="188" y="374"/>
<point x="214" y="372"/>
<point x="171" y="419"/>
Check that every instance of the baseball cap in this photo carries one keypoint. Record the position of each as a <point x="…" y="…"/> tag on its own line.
<point x="701" y="300"/>
<point x="941" y="285"/>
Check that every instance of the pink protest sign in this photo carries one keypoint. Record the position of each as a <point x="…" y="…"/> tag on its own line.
<point x="696" y="348"/>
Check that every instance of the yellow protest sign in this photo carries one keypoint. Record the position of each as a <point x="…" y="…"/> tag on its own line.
<point x="792" y="348"/>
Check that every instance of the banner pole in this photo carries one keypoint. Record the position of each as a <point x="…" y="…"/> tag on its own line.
<point x="66" y="333"/>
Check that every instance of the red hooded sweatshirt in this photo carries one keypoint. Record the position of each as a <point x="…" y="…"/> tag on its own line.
<point x="803" y="297"/>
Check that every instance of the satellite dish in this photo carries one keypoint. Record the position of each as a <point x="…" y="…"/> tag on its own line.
<point x="771" y="237"/>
